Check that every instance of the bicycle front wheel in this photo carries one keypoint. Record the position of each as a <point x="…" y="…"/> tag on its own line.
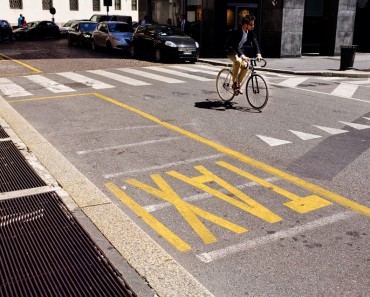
<point x="256" y="91"/>
<point x="224" y="85"/>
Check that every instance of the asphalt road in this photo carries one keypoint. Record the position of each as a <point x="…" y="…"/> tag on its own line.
<point x="271" y="203"/>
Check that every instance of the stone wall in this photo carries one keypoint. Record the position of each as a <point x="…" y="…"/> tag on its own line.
<point x="292" y="28"/>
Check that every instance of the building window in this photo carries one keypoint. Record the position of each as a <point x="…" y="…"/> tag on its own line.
<point x="16" y="4"/>
<point x="134" y="5"/>
<point x="47" y="4"/>
<point x="117" y="4"/>
<point x="73" y="4"/>
<point x="96" y="5"/>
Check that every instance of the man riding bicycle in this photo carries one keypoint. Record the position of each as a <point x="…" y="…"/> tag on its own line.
<point x="241" y="44"/>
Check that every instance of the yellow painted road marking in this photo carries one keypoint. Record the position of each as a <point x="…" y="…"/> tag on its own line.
<point x="35" y="70"/>
<point x="188" y="211"/>
<point x="148" y="218"/>
<point x="299" y="204"/>
<point x="251" y="206"/>
<point x="336" y="198"/>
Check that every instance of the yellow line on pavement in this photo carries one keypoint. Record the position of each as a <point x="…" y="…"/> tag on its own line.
<point x="23" y="64"/>
<point x="336" y="198"/>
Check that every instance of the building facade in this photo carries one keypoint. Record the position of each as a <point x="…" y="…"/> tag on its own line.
<point x="36" y="10"/>
<point x="286" y="28"/>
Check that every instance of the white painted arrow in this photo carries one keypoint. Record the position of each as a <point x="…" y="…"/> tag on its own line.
<point x="304" y="136"/>
<point x="273" y="141"/>
<point x="332" y="131"/>
<point x="356" y="126"/>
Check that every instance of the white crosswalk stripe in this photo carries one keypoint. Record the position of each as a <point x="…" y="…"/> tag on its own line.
<point x="95" y="84"/>
<point x="192" y="69"/>
<point x="345" y="90"/>
<point x="178" y="73"/>
<point x="10" y="89"/>
<point x="49" y="84"/>
<point x="153" y="76"/>
<point x="293" y="82"/>
<point x="120" y="78"/>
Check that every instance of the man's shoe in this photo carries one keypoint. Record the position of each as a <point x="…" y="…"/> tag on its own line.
<point x="236" y="89"/>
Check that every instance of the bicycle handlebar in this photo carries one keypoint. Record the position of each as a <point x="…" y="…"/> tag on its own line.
<point x="254" y="62"/>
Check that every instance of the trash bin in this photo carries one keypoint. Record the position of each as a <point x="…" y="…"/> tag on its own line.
<point x="347" y="56"/>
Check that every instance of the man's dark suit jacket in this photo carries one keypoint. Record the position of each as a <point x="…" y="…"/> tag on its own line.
<point x="250" y="48"/>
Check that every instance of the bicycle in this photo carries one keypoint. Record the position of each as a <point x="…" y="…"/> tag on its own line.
<point x="256" y="89"/>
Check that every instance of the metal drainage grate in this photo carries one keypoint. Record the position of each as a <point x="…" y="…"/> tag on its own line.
<point x="15" y="172"/>
<point x="3" y="134"/>
<point x="45" y="252"/>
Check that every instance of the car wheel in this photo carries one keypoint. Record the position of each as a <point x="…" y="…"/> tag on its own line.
<point x="93" y="46"/>
<point x="157" y="55"/>
<point x="109" y="47"/>
<point x="132" y="52"/>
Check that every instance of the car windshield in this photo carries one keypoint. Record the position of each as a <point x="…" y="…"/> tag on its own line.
<point x="169" y="31"/>
<point x="32" y="24"/>
<point x="68" y="24"/>
<point x="119" y="27"/>
<point x="87" y="26"/>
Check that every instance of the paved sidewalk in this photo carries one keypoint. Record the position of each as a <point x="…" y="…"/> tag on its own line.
<point x="310" y="65"/>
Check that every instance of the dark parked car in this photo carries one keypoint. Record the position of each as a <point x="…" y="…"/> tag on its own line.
<point x="38" y="30"/>
<point x="6" y="31"/>
<point x="163" y="42"/>
<point x="80" y="33"/>
<point x="112" y="35"/>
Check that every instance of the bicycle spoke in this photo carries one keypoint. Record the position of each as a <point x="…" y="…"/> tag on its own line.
<point x="257" y="91"/>
<point x="224" y="85"/>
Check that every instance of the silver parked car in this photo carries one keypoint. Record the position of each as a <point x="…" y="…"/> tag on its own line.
<point x="112" y="36"/>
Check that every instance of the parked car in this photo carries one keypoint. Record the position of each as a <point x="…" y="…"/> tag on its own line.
<point x="163" y="42"/>
<point x="38" y="30"/>
<point x="64" y="29"/>
<point x="6" y="31"/>
<point x="112" y="18"/>
<point x="80" y="33"/>
<point x="112" y="35"/>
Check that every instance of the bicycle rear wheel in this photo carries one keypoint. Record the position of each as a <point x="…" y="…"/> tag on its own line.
<point x="256" y="91"/>
<point x="224" y="84"/>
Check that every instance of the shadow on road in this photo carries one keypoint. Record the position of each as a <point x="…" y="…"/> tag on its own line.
<point x="223" y="106"/>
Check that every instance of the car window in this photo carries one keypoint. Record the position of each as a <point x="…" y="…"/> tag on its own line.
<point x="4" y="24"/>
<point x="68" y="24"/>
<point x="32" y="24"/>
<point x="87" y="26"/>
<point x="119" y="27"/>
<point x="103" y="27"/>
<point x="169" y="31"/>
<point x="149" y="30"/>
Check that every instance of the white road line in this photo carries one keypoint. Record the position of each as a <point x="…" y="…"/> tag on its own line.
<point x="10" y="89"/>
<point x="168" y="165"/>
<point x="355" y="125"/>
<point x="323" y="93"/>
<point x="332" y="131"/>
<point x="366" y="118"/>
<point x="360" y="82"/>
<point x="155" y="207"/>
<point x="178" y="73"/>
<point x="49" y="84"/>
<point x="293" y="82"/>
<point x="153" y="76"/>
<point x="103" y="149"/>
<point x="344" y="90"/>
<point x="217" y="68"/>
<point x="273" y="141"/>
<point x="305" y="136"/>
<point x="95" y="84"/>
<point x="249" y="244"/>
<point x="120" y="78"/>
<point x="192" y="69"/>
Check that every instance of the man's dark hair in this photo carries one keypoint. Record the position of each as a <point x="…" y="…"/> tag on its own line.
<point x="247" y="19"/>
